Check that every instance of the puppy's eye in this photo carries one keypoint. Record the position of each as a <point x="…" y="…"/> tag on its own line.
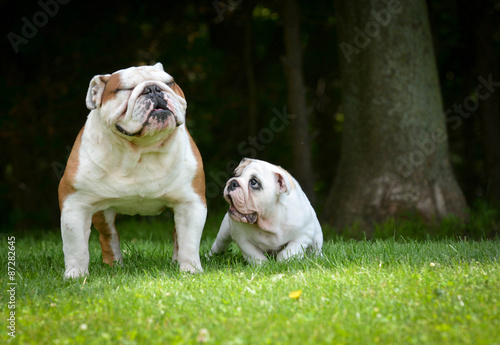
<point x="118" y="90"/>
<point x="170" y="84"/>
<point x="254" y="184"/>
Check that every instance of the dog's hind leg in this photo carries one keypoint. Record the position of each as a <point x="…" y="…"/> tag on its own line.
<point x="104" y="222"/>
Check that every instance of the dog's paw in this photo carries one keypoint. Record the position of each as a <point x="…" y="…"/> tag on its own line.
<point x="75" y="273"/>
<point x="191" y="268"/>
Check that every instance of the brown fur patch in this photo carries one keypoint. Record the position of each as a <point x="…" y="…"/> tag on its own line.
<point x="105" y="237"/>
<point x="66" y="186"/>
<point x="177" y="89"/>
<point x="112" y="85"/>
<point x="176" y="245"/>
<point x="199" y="178"/>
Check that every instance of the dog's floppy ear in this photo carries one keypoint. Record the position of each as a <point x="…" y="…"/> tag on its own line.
<point x="243" y="164"/>
<point x="283" y="183"/>
<point x="96" y="88"/>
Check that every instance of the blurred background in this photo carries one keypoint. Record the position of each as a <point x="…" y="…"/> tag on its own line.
<point x="231" y="60"/>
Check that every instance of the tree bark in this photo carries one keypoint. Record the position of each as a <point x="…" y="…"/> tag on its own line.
<point x="292" y="64"/>
<point x="394" y="156"/>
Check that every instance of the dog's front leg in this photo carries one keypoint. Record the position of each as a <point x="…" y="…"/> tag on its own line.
<point x="223" y="237"/>
<point x="75" y="230"/>
<point x="254" y="255"/>
<point x="295" y="249"/>
<point x="189" y="222"/>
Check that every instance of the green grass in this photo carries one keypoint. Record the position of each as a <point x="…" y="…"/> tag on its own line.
<point x="391" y="291"/>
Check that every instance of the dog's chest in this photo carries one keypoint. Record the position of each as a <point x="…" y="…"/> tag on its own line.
<point x="265" y="240"/>
<point x="143" y="192"/>
<point x="145" y="186"/>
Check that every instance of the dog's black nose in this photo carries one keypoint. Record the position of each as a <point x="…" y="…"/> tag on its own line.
<point x="232" y="185"/>
<point x="151" y="89"/>
<point x="155" y="94"/>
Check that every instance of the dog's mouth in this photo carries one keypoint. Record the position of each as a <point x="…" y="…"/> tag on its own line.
<point x="236" y="215"/>
<point x="160" y="107"/>
<point x="148" y="113"/>
<point x="158" y="116"/>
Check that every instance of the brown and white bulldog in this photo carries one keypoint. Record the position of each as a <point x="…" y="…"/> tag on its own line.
<point x="133" y="156"/>
<point x="268" y="214"/>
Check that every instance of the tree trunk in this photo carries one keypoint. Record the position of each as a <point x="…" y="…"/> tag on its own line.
<point x="394" y="157"/>
<point x="292" y="63"/>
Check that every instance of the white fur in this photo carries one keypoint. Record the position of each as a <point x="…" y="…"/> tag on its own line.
<point x="287" y="224"/>
<point x="132" y="176"/>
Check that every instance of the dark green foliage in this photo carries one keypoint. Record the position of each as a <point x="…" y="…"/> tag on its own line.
<point x="43" y="88"/>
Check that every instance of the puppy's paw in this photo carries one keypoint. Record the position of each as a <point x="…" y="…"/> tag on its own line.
<point x="212" y="253"/>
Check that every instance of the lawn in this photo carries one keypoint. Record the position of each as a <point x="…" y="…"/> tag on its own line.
<point x="392" y="291"/>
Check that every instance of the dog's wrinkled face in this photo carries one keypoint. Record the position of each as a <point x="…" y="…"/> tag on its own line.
<point x="138" y="101"/>
<point x="255" y="189"/>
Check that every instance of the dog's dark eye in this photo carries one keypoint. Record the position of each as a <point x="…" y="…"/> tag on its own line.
<point x="254" y="183"/>
<point x="118" y="90"/>
<point x="170" y="84"/>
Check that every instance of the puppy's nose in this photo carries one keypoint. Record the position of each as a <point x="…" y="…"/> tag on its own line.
<point x="232" y="185"/>
<point x="151" y="89"/>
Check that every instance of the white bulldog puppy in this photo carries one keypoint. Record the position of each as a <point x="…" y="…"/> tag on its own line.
<point x="133" y="156"/>
<point x="268" y="214"/>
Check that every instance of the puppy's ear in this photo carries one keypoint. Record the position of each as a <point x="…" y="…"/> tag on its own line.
<point x="243" y="164"/>
<point x="283" y="184"/>
<point x="96" y="88"/>
<point x="245" y="159"/>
